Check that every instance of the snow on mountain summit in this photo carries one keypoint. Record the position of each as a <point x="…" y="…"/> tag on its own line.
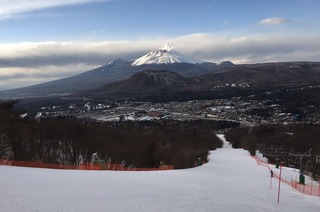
<point x="164" y="55"/>
<point x="167" y="47"/>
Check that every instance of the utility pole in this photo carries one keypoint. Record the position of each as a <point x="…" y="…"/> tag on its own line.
<point x="279" y="182"/>
<point x="301" y="156"/>
<point x="301" y="176"/>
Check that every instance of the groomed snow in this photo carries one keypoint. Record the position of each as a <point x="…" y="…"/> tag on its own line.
<point x="231" y="181"/>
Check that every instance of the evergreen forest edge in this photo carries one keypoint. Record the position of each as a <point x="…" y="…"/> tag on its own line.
<point x="71" y="141"/>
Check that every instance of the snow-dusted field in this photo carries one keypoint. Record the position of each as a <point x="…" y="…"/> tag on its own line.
<point x="231" y="181"/>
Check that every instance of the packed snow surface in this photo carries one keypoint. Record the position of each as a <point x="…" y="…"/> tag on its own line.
<point x="164" y="55"/>
<point x="231" y="181"/>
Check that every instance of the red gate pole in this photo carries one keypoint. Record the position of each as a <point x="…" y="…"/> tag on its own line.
<point x="279" y="182"/>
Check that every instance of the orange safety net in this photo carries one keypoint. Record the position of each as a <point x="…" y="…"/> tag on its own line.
<point x="83" y="166"/>
<point x="304" y="188"/>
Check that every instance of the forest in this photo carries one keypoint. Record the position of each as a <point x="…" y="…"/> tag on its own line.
<point x="72" y="141"/>
<point x="286" y="143"/>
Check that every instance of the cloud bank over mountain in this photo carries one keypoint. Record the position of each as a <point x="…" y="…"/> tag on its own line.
<point x="43" y="40"/>
<point x="34" y="62"/>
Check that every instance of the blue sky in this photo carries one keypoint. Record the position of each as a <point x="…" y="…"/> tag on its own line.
<point x="43" y="40"/>
<point x="138" y="19"/>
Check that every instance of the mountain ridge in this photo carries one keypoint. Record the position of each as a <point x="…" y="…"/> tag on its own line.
<point x="205" y="76"/>
<point x="110" y="72"/>
<point x="147" y="81"/>
<point x="249" y="77"/>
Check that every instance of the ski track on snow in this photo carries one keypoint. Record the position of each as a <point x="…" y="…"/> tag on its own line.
<point x="230" y="181"/>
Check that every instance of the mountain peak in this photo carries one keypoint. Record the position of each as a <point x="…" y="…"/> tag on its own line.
<point x="144" y="81"/>
<point x="167" y="47"/>
<point x="116" y="62"/>
<point x="226" y="64"/>
<point x="165" y="55"/>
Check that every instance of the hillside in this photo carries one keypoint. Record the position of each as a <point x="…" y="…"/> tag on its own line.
<point x="264" y="74"/>
<point x="247" y="80"/>
<point x="141" y="83"/>
<point x="231" y="181"/>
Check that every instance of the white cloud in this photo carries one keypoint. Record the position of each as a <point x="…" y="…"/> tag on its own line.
<point x="10" y="7"/>
<point x="13" y="77"/>
<point x="29" y="63"/>
<point x="273" y="21"/>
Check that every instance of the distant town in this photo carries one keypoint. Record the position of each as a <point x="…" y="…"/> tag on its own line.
<point x="237" y="109"/>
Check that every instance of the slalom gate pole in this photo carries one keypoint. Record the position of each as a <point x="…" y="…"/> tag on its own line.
<point x="270" y="182"/>
<point x="279" y="182"/>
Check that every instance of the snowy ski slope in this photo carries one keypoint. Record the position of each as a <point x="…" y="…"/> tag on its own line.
<point x="231" y="181"/>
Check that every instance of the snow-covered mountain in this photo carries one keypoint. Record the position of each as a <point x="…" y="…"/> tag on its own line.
<point x="163" y="59"/>
<point x="165" y="55"/>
